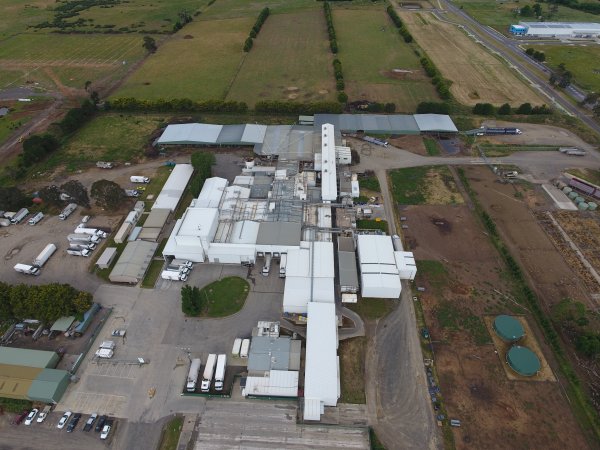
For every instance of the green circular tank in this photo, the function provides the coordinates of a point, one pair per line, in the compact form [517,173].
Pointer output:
[583,206]
[523,361]
[508,328]
[573,195]
[592,206]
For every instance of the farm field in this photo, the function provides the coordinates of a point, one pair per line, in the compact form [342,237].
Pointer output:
[582,62]
[67,61]
[500,15]
[225,9]
[19,115]
[200,67]
[424,185]
[18,15]
[290,60]
[476,75]
[372,54]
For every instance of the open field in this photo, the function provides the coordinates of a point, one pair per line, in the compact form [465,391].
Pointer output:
[476,75]
[67,60]
[20,113]
[290,60]
[582,62]
[18,15]
[424,185]
[352,369]
[222,9]
[372,54]
[500,15]
[200,68]
[464,284]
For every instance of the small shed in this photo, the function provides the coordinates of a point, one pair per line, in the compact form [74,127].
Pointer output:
[106,258]
[88,316]
[63,324]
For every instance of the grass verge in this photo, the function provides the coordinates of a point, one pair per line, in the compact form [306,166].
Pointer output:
[152,274]
[432,147]
[373,308]
[375,442]
[171,432]
[352,370]
[12,405]
[224,297]
[370,183]
[368,224]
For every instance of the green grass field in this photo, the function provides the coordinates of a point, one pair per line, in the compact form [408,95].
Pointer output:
[500,15]
[368,224]
[290,60]
[223,9]
[582,62]
[370,49]
[200,68]
[224,297]
[17,15]
[171,432]
[424,185]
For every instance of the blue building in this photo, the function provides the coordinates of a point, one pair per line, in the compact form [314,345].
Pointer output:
[518,30]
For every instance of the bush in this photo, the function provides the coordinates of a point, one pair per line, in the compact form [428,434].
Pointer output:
[340,85]
[256,28]
[342,97]
[248,44]
[484,109]
[505,110]
[389,107]
[202,163]
[37,147]
[433,108]
[330,28]
[525,108]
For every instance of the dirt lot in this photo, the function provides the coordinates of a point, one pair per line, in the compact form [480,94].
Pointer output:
[534,134]
[413,144]
[477,76]
[495,412]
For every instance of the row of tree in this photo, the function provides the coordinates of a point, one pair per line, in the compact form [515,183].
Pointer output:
[433,108]
[442,85]
[339,80]
[536,54]
[330,28]
[202,163]
[45,303]
[184,17]
[176,104]
[487,109]
[277,107]
[561,76]
[399,25]
[76,192]
[262,17]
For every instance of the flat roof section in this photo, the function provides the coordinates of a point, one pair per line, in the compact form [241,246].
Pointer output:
[269,353]
[279,233]
[190,134]
[435,123]
[347,269]
[133,262]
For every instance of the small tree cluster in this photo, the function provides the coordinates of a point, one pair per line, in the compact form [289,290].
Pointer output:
[399,25]
[108,194]
[277,107]
[562,77]
[487,109]
[484,109]
[536,54]
[184,17]
[176,104]
[433,108]
[45,303]
[442,85]
[12,199]
[149,44]
[77,117]
[249,43]
[191,300]
[330,28]
[339,80]
[202,163]
[37,147]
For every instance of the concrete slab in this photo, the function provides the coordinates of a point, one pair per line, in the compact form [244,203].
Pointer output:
[559,198]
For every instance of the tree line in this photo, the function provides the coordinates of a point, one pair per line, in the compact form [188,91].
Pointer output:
[442,86]
[176,104]
[277,107]
[45,303]
[487,109]
[262,17]
[399,25]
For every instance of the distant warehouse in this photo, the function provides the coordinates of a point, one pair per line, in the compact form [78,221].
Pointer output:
[556,29]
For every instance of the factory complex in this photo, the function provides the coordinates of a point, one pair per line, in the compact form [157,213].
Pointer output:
[556,29]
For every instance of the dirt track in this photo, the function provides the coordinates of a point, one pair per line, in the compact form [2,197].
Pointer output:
[477,75]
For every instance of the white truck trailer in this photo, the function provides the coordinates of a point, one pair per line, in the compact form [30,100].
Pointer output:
[192,378]
[35,219]
[208,372]
[282,265]
[19,215]
[84,252]
[91,231]
[175,276]
[237,345]
[44,255]
[67,211]
[27,269]
[245,348]
[139,179]
[220,372]
[82,246]
[83,238]
[110,345]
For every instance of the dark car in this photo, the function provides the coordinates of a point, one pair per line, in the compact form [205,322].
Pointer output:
[73,423]
[100,424]
[20,418]
[425,333]
[90,422]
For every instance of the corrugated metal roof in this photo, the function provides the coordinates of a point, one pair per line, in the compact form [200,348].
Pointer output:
[268,353]
[292,142]
[63,323]
[254,133]
[106,257]
[278,383]
[435,122]
[347,269]
[231,134]
[173,189]
[49,386]
[211,193]
[29,358]
[133,262]
[190,133]
[376,249]
[15,381]
[157,218]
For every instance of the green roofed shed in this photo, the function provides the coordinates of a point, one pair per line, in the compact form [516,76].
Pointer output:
[523,361]
[49,386]
[63,323]
[508,328]
[28,358]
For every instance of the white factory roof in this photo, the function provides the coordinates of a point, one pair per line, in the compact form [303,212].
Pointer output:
[210,134]
[211,193]
[173,189]
[376,249]
[298,291]
[244,232]
[322,376]
[380,277]
[328,164]
[277,383]
[200,222]
[435,122]
[299,261]
[558,27]
[407,267]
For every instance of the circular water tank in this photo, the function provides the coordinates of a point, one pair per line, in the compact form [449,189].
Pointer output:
[573,195]
[583,206]
[592,206]
[567,189]
[579,200]
[249,163]
[523,361]
[508,328]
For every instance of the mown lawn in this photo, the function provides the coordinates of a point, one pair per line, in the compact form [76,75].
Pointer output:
[368,224]
[224,297]
[582,62]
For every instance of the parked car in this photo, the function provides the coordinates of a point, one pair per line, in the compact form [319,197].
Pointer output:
[425,333]
[105,431]
[63,420]
[43,414]
[100,424]
[20,418]
[73,423]
[31,416]
[141,188]
[90,422]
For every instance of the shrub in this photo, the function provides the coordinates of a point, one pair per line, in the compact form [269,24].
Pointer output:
[342,97]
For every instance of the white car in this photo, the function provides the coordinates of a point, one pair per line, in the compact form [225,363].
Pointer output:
[31,416]
[63,420]
[42,416]
[105,431]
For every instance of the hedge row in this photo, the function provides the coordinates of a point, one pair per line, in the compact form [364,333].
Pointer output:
[398,22]
[256,28]
[276,107]
[330,29]
[442,85]
[177,104]
[487,109]
[534,306]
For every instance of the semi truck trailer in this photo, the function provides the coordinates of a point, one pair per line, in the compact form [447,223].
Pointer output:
[73,252]
[192,378]
[35,219]
[220,372]
[175,276]
[208,372]
[19,215]
[83,238]
[67,211]
[139,179]
[44,255]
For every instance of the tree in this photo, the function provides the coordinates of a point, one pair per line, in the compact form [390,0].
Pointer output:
[537,9]
[191,301]
[540,56]
[13,199]
[149,44]
[5,308]
[342,97]
[526,11]
[87,85]
[433,108]
[95,97]
[597,110]
[525,108]
[565,79]
[484,109]
[530,51]
[389,107]
[591,99]
[50,195]
[18,298]
[36,147]
[77,192]
[82,302]
[588,343]
[107,194]
[505,110]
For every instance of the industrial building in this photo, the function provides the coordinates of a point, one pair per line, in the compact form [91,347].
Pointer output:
[172,191]
[296,201]
[31,375]
[107,257]
[133,262]
[556,29]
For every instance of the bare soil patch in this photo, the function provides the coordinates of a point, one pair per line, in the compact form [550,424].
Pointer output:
[413,144]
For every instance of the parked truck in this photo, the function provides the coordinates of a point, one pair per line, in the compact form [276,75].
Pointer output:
[375,141]
[282,265]
[245,348]
[19,216]
[501,130]
[572,151]
[82,246]
[91,231]
[220,372]
[83,239]
[35,219]
[208,372]
[44,255]
[84,252]
[237,345]
[27,269]
[139,179]
[192,378]
[175,276]
[67,211]
[267,267]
